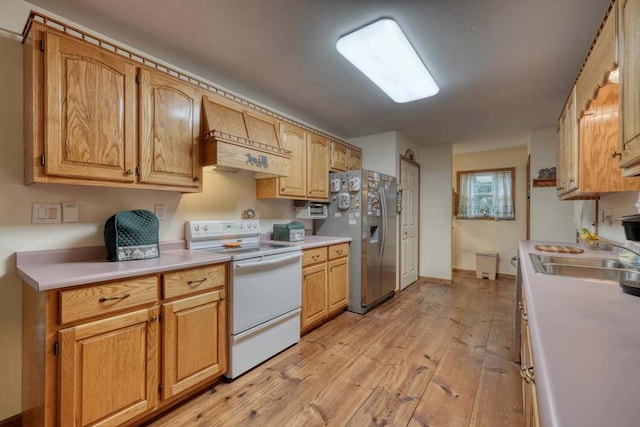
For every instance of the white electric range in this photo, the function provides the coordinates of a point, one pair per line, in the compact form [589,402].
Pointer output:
[265,289]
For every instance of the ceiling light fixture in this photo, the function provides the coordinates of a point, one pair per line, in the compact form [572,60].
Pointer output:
[383,53]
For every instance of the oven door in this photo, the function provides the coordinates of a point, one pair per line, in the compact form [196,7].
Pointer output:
[264,288]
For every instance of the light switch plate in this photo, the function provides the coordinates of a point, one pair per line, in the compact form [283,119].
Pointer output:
[159,212]
[46,213]
[69,212]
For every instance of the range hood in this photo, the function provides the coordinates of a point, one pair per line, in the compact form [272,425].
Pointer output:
[241,140]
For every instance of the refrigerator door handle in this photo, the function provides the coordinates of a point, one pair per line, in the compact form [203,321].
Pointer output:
[383,233]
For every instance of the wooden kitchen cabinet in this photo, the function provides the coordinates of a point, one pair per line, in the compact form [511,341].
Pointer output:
[317,167]
[309,176]
[94,117]
[108,369]
[355,160]
[567,154]
[314,287]
[293,186]
[117,352]
[529,396]
[89,105]
[339,157]
[590,126]
[325,284]
[169,131]
[194,341]
[629,60]
[338,278]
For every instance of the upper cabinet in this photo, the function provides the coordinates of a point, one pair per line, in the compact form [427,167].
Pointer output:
[81,108]
[344,158]
[317,167]
[339,157]
[169,131]
[590,125]
[629,58]
[86,139]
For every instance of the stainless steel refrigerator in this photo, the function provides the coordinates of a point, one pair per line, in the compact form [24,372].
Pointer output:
[363,205]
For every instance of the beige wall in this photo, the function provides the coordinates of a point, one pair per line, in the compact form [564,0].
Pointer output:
[225,195]
[435,211]
[470,236]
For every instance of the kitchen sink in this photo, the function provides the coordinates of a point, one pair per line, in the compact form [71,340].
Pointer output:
[575,261]
[590,268]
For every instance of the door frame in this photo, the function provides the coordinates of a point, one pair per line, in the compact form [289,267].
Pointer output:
[416,164]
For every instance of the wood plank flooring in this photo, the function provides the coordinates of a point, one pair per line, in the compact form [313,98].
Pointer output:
[434,355]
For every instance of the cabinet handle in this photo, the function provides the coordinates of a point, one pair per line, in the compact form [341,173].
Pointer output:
[520,305]
[129,171]
[282,190]
[196,178]
[153,318]
[196,282]
[315,257]
[617,154]
[339,251]
[103,299]
[524,316]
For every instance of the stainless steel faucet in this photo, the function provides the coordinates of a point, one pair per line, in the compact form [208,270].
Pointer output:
[608,244]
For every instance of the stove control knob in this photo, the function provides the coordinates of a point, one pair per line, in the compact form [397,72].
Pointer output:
[204,227]
[197,228]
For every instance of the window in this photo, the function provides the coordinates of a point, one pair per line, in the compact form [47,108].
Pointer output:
[486,194]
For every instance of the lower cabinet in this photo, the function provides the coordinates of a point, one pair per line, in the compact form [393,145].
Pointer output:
[529,397]
[108,369]
[113,353]
[325,284]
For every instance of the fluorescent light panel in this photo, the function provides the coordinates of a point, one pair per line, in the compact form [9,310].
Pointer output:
[382,52]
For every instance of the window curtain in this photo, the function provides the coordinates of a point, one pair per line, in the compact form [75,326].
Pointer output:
[502,202]
[465,196]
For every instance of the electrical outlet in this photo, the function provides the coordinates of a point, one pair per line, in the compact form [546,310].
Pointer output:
[159,212]
[46,213]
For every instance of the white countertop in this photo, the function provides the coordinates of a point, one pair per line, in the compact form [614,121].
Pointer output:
[53,269]
[585,338]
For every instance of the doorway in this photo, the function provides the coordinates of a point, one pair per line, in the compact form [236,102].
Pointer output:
[409,220]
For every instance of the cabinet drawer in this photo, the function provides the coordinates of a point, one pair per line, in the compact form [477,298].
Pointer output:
[313,256]
[194,280]
[337,251]
[97,300]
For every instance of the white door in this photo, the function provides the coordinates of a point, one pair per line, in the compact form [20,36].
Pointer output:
[410,184]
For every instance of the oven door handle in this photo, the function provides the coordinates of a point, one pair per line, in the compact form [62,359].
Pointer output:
[269,261]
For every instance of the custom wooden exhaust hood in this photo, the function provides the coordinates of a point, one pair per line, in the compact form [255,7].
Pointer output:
[238,139]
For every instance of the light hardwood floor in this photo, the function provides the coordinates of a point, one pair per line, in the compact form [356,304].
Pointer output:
[434,355]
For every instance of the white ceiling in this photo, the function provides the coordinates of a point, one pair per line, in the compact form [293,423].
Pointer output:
[503,66]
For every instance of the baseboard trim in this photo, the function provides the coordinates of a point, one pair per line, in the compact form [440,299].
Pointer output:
[435,280]
[473,274]
[15,421]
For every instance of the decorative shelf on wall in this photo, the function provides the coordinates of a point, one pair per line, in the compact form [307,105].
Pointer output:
[544,182]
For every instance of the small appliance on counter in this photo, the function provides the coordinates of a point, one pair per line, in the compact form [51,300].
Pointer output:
[311,210]
[292,232]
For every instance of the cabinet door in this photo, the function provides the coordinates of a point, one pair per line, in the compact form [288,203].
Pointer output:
[90,111]
[339,160]
[314,294]
[629,52]
[294,140]
[355,160]
[338,287]
[169,131]
[317,167]
[194,341]
[109,369]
